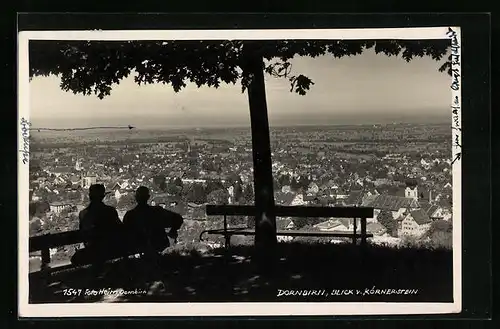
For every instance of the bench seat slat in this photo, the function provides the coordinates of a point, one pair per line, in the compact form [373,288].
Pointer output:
[285,233]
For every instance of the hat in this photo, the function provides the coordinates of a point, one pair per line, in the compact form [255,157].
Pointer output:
[142,194]
[97,191]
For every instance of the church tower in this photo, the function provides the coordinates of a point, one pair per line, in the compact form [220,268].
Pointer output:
[411,190]
[78,165]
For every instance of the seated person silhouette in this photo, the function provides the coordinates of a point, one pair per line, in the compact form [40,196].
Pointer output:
[101,228]
[146,224]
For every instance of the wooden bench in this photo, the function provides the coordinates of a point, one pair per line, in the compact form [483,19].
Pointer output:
[293,211]
[45,242]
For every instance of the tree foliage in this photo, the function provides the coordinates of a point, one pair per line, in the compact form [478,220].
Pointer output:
[178,182]
[441,226]
[35,226]
[284,180]
[440,234]
[93,67]
[386,220]
[38,208]
[218,197]
[174,187]
[111,201]
[60,223]
[247,195]
[304,183]
[214,185]
[306,223]
[126,202]
[294,184]
[238,191]
[196,193]
[160,181]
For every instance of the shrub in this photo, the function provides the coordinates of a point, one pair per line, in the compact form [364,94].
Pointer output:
[438,240]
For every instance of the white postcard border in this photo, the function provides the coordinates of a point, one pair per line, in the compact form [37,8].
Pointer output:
[232,309]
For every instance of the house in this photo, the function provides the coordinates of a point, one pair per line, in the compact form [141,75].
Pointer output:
[309,199]
[340,225]
[198,213]
[181,208]
[298,200]
[411,192]
[390,202]
[426,195]
[161,200]
[415,224]
[59,180]
[284,224]
[375,229]
[194,205]
[58,207]
[396,205]
[326,200]
[341,194]
[62,170]
[434,212]
[75,180]
[89,180]
[332,185]
[370,191]
[35,196]
[446,214]
[114,186]
[313,188]
[117,194]
[381,181]
[355,198]
[333,225]
[284,199]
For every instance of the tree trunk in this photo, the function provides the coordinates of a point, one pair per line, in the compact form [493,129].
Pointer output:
[265,221]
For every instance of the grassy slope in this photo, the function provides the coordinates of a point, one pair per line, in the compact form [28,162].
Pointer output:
[215,276]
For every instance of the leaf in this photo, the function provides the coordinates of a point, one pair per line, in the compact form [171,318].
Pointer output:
[300,84]
[95,67]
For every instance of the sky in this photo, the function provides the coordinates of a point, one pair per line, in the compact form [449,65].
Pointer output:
[367,88]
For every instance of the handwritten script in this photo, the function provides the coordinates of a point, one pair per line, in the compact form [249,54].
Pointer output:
[25,133]
[455,87]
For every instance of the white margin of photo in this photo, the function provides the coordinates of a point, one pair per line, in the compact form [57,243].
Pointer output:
[229,309]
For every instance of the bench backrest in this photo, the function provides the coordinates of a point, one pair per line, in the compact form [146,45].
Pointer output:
[53,240]
[292,211]
[73,237]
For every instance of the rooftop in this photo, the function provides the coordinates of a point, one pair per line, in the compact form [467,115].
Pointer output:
[389,202]
[420,216]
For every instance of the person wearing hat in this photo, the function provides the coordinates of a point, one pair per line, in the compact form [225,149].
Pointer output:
[148,223]
[100,224]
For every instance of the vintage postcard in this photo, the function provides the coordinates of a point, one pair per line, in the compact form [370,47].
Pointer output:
[239,172]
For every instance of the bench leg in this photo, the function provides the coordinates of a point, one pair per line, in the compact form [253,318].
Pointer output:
[45,258]
[363,232]
[355,229]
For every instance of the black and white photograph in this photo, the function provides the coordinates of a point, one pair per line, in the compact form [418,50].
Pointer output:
[239,172]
